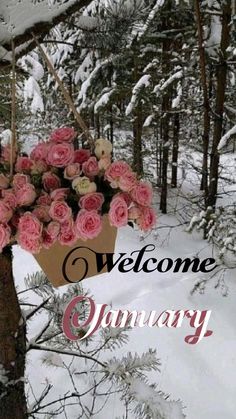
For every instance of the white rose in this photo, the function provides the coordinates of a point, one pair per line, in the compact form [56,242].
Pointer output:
[103,148]
[82,185]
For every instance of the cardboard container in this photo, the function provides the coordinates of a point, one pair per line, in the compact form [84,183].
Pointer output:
[64,265]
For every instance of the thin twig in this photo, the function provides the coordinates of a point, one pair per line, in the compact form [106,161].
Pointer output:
[66,94]
[13,109]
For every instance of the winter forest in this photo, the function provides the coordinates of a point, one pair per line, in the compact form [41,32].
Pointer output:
[145,83]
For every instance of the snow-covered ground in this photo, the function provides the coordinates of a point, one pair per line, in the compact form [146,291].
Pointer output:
[203,375]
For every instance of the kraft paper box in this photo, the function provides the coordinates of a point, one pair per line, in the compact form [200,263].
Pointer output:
[64,265]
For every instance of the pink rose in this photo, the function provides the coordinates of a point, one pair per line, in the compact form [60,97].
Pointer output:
[5,235]
[115,171]
[127,181]
[61,135]
[92,201]
[118,213]
[104,162]
[42,213]
[147,219]
[53,229]
[142,193]
[50,234]
[4,181]
[134,213]
[20,180]
[88,224]
[26,195]
[68,236]
[30,226]
[51,181]
[60,194]
[60,211]
[39,167]
[30,244]
[39,152]
[47,240]
[60,155]
[125,196]
[72,171]
[90,167]
[23,165]
[5,212]
[44,199]
[9,198]
[82,155]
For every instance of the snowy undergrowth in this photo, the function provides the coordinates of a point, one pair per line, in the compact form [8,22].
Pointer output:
[208,366]
[202,375]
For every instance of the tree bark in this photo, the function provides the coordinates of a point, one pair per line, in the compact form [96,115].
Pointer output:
[137,142]
[206,106]
[111,125]
[165,153]
[175,151]
[12,345]
[221,76]
[166,104]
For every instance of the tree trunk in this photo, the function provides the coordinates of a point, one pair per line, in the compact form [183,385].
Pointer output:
[111,125]
[160,160]
[166,104]
[165,155]
[221,76]
[12,345]
[175,151]
[206,106]
[97,125]
[137,143]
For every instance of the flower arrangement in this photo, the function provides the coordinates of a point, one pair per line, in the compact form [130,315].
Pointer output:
[60,194]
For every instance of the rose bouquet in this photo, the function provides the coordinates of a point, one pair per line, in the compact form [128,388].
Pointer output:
[60,194]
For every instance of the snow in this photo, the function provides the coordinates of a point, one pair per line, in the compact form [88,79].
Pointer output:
[148,120]
[82,72]
[82,97]
[103,101]
[226,137]
[143,83]
[201,376]
[18,16]
[32,92]
[30,63]
[163,85]
[87,22]
[144,393]
[176,101]
[151,16]
[3,375]
[213,41]
[5,136]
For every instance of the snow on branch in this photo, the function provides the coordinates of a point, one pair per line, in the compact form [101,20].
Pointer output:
[226,137]
[20,18]
[150,18]
[32,91]
[163,85]
[148,401]
[82,98]
[143,83]
[104,100]
[153,404]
